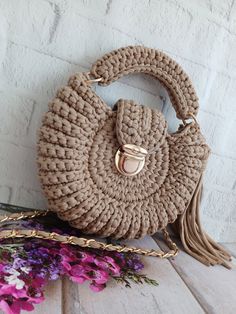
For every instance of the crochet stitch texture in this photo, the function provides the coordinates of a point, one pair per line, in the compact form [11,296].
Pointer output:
[80,136]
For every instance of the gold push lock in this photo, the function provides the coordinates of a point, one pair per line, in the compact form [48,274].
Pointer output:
[130,159]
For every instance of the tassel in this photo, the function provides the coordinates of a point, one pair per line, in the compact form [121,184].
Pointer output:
[195,241]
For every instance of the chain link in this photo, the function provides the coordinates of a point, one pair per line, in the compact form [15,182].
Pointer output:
[83,242]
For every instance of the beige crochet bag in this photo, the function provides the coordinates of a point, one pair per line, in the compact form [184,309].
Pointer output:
[117,172]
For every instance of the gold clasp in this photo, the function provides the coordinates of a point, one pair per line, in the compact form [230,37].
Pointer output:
[130,159]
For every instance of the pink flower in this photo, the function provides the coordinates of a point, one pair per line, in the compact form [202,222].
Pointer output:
[6,289]
[15,306]
[35,295]
[107,263]
[96,287]
[10,299]
[13,300]
[77,273]
[37,282]
[32,294]
[2,266]
[70,256]
[81,273]
[76,254]
[67,257]
[97,275]
[85,257]
[67,254]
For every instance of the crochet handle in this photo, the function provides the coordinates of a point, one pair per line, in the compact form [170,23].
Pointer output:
[136,59]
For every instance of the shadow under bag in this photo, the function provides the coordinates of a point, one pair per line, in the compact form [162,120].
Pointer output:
[117,172]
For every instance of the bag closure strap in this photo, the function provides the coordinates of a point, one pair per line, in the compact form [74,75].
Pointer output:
[83,242]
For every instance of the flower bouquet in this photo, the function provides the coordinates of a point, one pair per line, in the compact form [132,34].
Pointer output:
[28,265]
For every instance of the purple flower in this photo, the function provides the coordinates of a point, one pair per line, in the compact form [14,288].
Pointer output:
[135,263]
[31,224]
[26,268]
[19,262]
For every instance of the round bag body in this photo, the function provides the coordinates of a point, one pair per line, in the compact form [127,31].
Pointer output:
[118,172]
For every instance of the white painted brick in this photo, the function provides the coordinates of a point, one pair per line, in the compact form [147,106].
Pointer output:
[220,172]
[3,41]
[91,8]
[187,35]
[51,30]
[18,165]
[35,72]
[30,22]
[5,194]
[229,104]
[219,132]
[210,126]
[91,39]
[226,204]
[16,112]
[48,30]
[212,8]
[232,18]
[225,58]
[227,232]
[216,93]
[230,137]
[220,231]
[216,217]
[28,197]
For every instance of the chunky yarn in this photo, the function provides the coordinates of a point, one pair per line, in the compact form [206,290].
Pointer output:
[80,136]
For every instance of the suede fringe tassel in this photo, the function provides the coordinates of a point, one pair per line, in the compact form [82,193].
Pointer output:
[195,241]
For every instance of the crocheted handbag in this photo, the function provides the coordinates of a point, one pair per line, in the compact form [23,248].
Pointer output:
[117,172]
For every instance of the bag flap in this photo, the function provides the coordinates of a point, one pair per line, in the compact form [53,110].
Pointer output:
[139,125]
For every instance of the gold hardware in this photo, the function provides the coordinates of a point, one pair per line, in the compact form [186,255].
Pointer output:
[130,159]
[90,81]
[191,116]
[92,243]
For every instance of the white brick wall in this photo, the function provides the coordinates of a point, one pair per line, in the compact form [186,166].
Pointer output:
[43,42]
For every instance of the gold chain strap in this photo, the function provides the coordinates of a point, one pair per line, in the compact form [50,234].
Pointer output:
[83,242]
